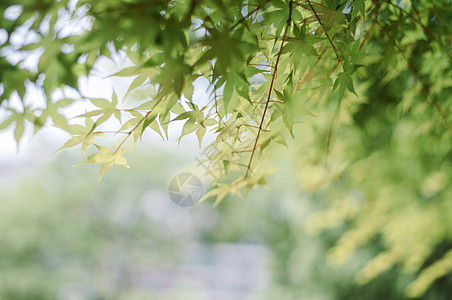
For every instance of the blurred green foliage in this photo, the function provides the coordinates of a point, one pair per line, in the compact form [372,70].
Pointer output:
[65,235]
[334,243]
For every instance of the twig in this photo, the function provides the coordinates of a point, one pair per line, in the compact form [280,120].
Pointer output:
[336,112]
[327,35]
[270,90]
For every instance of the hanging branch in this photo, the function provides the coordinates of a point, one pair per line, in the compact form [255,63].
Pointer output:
[275,70]
[419,78]
[336,112]
[327,35]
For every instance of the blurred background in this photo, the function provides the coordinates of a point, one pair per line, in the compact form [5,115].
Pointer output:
[63,235]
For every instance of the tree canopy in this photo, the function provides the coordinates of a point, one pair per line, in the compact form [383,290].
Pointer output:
[362,87]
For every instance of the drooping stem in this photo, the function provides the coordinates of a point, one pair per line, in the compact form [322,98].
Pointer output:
[275,70]
[339,60]
[327,35]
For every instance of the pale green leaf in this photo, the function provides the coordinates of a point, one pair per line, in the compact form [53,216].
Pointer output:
[200,134]
[71,142]
[104,167]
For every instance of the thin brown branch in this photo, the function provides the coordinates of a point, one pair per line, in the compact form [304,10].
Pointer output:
[336,113]
[275,70]
[327,35]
